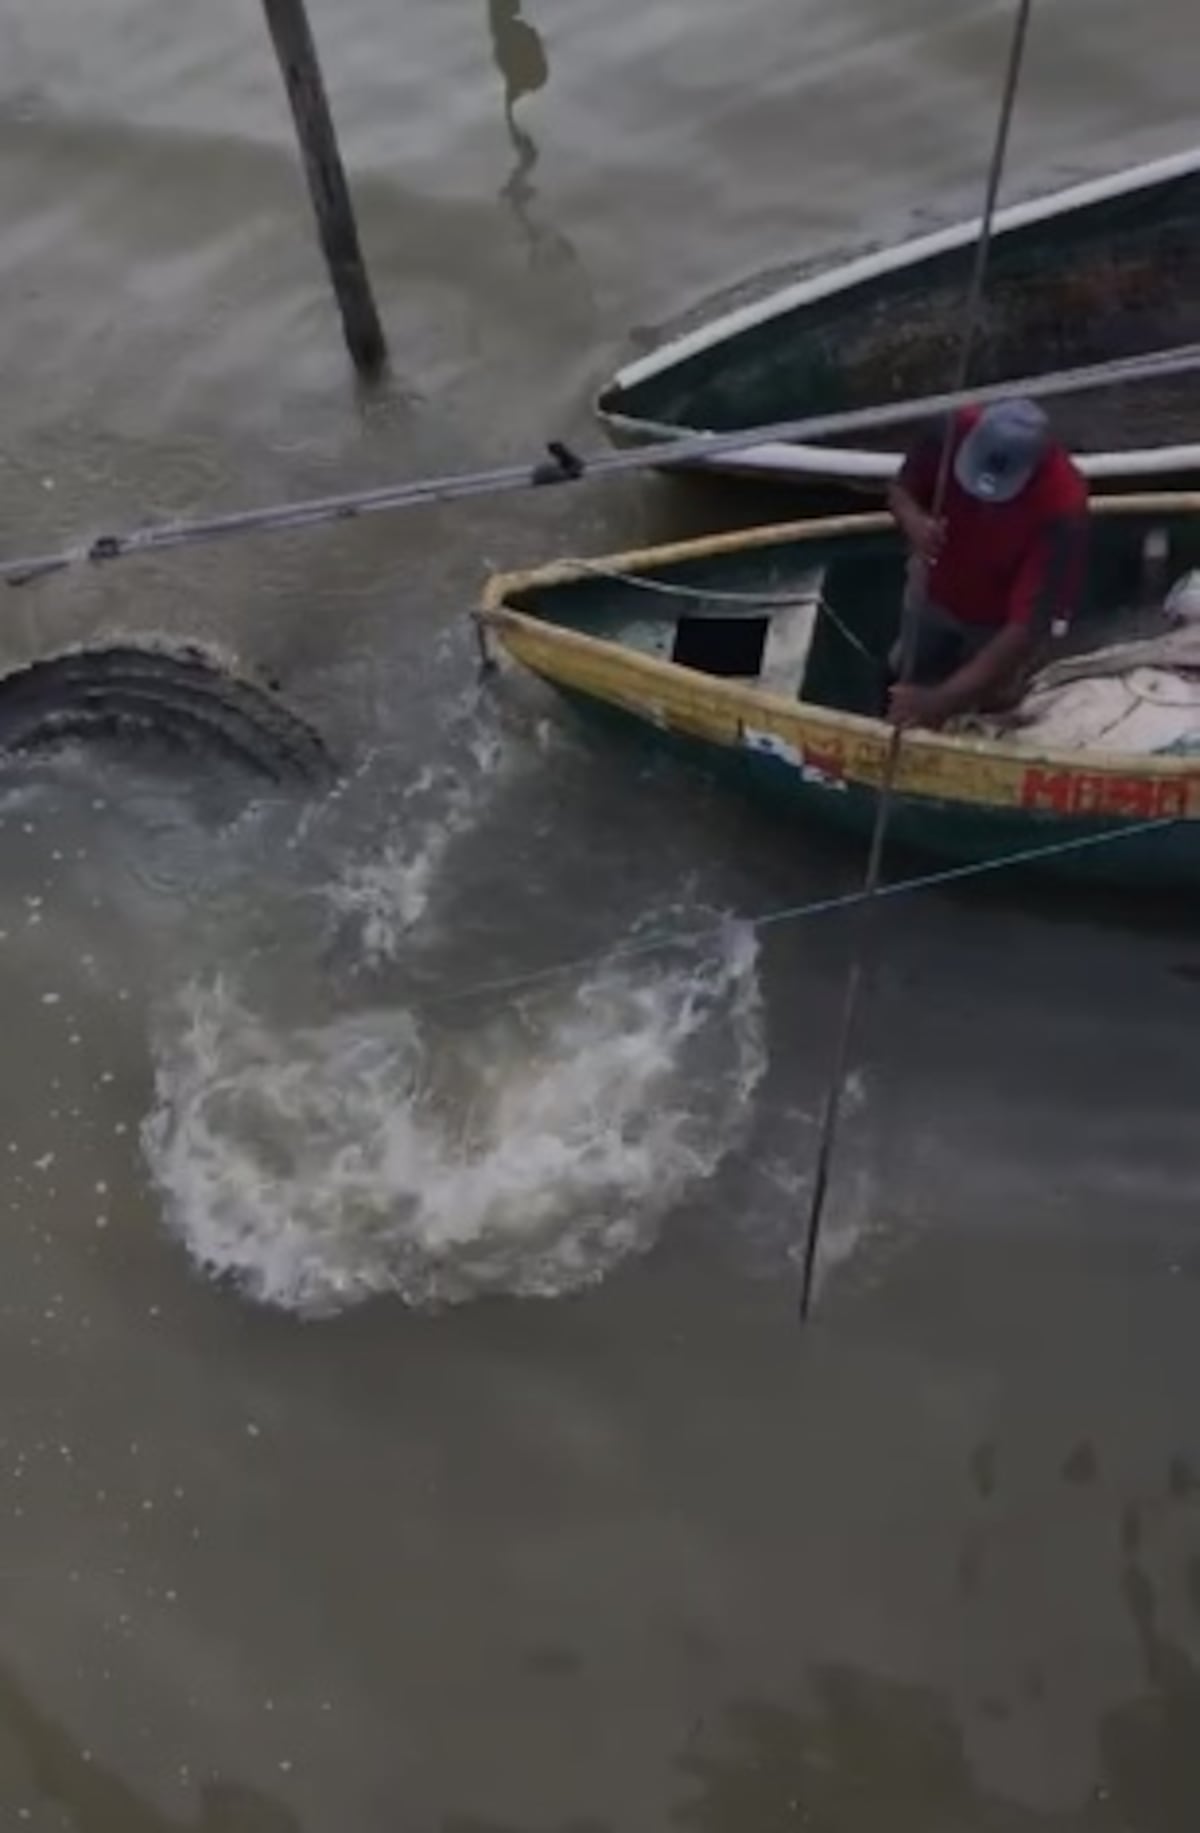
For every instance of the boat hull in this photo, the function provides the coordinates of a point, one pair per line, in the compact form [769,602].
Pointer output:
[956,799]
[1105,270]
[1078,850]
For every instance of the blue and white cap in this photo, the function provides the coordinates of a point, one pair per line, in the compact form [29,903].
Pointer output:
[1002,451]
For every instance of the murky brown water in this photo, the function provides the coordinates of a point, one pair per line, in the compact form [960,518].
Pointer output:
[307,1520]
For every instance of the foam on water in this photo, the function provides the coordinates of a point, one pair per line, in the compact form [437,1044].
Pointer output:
[381,894]
[385,895]
[316,1167]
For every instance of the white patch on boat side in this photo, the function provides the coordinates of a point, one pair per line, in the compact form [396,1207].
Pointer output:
[316,1167]
[769,744]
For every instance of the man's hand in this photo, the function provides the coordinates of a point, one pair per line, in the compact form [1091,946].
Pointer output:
[909,706]
[926,535]
[998,670]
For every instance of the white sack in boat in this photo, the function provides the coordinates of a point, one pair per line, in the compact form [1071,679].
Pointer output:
[1141,697]
[1140,710]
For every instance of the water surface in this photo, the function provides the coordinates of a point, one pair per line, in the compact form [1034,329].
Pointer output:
[406,1422]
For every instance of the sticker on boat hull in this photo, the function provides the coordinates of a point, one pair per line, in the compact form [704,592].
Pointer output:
[822,771]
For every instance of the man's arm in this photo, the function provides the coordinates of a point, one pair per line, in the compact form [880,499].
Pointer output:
[919,528]
[970,686]
[910,495]
[1047,590]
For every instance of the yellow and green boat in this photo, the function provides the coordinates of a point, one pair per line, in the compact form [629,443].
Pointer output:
[759,653]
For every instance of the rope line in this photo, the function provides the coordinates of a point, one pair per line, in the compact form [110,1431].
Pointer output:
[566,467]
[856,973]
[749,601]
[818,907]
[852,637]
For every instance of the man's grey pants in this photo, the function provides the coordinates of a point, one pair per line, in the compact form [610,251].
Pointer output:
[938,644]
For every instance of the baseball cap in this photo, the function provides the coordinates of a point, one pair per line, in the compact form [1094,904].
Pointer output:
[1002,451]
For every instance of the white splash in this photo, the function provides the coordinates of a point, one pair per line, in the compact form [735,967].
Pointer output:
[317,1167]
[386,895]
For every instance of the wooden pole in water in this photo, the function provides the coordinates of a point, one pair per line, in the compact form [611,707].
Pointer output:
[296,50]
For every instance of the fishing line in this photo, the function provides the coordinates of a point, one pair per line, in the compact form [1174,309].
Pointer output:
[799,913]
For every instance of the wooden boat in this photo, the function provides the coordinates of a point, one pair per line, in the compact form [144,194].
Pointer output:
[756,652]
[1108,269]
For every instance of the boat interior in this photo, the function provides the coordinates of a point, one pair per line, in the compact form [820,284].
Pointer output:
[1111,280]
[813,619]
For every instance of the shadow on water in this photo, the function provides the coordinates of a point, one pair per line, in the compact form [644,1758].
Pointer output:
[519,52]
[520,55]
[469,1824]
[1149,1749]
[38,1756]
[874,1753]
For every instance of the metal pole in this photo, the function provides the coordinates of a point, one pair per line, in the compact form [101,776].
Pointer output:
[459,487]
[296,50]
[1008,101]
[835,1093]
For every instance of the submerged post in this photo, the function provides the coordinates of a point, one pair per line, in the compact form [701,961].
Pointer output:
[297,54]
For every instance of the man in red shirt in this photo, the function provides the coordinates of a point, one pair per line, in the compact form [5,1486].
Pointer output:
[998,571]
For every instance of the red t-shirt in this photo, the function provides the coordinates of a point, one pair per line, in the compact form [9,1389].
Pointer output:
[1021,562]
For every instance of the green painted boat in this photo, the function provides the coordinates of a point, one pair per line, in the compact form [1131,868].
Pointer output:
[757,653]
[1105,270]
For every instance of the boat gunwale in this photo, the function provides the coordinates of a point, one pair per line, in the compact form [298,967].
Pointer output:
[495,612]
[850,462]
[851,465]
